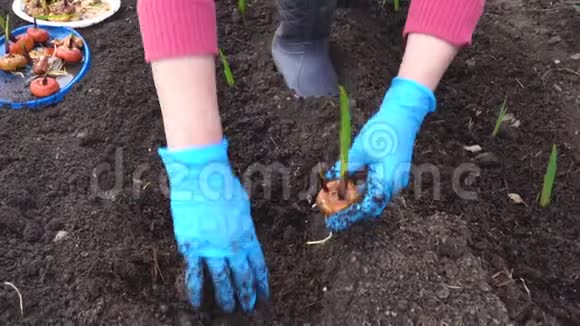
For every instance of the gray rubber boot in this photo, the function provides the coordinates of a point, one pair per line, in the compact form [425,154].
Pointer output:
[300,47]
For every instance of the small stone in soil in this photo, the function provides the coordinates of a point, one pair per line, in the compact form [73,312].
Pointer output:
[470,62]
[403,304]
[60,235]
[487,160]
[236,17]
[11,218]
[66,277]
[555,39]
[443,292]
[100,44]
[184,319]
[575,56]
[472,148]
[32,232]
[55,224]
[452,248]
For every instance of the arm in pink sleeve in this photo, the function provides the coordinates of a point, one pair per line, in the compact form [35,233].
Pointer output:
[177,28]
[451,20]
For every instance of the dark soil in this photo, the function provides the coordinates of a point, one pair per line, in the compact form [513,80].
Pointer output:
[89,167]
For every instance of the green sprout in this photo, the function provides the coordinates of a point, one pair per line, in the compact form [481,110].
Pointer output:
[345,142]
[345,130]
[5,23]
[396,4]
[549,178]
[242,7]
[345,137]
[227,70]
[500,117]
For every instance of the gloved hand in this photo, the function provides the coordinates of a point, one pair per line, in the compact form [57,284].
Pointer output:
[213,226]
[385,146]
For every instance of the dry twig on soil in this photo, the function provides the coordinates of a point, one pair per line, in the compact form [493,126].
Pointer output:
[156,270]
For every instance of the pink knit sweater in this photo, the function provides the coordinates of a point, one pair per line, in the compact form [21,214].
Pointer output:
[173,28]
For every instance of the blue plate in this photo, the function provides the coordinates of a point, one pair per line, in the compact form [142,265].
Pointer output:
[77,71]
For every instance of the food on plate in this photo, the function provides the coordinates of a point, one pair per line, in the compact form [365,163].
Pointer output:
[76,41]
[15,45]
[48,65]
[42,51]
[43,87]
[66,10]
[21,43]
[13,62]
[40,66]
[68,52]
[39,35]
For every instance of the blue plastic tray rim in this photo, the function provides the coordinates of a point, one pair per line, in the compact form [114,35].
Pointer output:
[53,99]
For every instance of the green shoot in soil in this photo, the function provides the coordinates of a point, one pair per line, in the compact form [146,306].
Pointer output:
[227,70]
[549,178]
[500,117]
[3,23]
[396,4]
[242,8]
[345,137]
[345,142]
[345,130]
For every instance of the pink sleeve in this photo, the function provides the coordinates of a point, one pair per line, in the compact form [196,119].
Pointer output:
[174,28]
[450,20]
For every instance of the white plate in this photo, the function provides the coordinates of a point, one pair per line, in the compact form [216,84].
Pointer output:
[18,8]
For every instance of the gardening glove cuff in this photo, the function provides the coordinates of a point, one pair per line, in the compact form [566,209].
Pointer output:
[415,100]
[195,155]
[201,179]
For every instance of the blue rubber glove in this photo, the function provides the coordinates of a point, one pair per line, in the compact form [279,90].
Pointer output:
[213,226]
[385,146]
